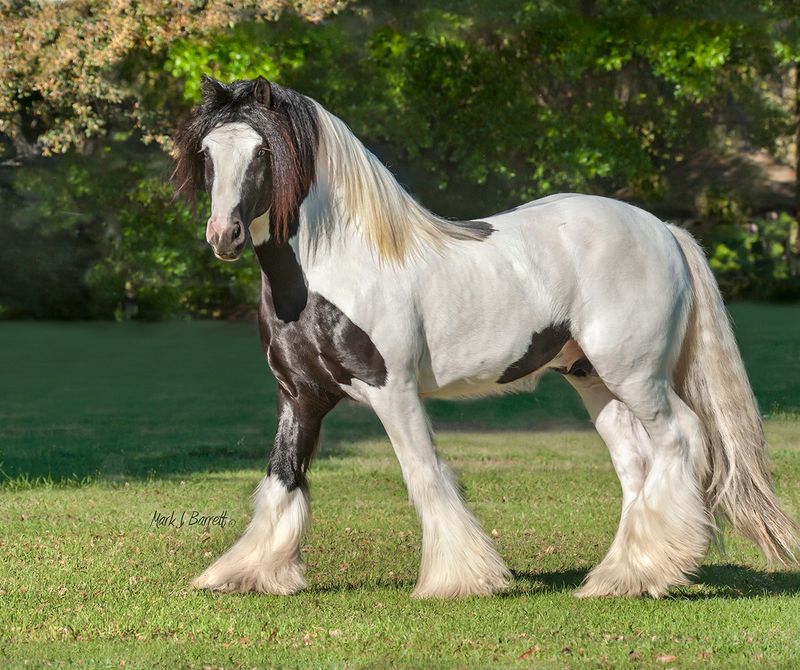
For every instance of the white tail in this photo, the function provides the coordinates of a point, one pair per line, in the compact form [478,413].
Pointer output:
[712,380]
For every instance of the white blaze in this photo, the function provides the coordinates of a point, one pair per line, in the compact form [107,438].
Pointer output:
[231,147]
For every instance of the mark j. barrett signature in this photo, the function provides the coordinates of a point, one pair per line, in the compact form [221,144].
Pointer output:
[175,519]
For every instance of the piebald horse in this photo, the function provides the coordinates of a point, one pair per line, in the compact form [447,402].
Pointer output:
[367,295]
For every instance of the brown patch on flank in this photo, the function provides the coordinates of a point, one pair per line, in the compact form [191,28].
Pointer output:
[544,347]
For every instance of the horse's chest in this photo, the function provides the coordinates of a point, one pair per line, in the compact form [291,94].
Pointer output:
[322,349]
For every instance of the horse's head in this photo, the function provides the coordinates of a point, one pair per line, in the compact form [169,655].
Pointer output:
[236,172]
[241,146]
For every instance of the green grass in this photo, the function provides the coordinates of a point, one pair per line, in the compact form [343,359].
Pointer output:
[103,424]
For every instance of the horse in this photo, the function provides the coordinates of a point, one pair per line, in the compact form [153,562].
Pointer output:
[367,295]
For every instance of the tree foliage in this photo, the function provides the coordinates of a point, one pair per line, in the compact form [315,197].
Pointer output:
[76,69]
[503,102]
[476,107]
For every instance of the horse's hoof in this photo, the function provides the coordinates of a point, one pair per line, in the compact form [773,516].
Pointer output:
[284,579]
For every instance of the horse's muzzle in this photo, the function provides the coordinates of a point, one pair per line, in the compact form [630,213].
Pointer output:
[227,240]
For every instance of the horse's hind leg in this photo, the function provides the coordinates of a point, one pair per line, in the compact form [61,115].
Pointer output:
[627,441]
[666,528]
[458,559]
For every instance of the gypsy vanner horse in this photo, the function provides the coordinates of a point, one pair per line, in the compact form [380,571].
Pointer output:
[367,295]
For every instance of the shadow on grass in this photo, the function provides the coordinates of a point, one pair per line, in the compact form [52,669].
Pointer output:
[713,581]
[736,581]
[177,440]
[114,402]
[366,585]
[547,582]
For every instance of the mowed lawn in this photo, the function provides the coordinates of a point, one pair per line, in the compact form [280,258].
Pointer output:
[102,425]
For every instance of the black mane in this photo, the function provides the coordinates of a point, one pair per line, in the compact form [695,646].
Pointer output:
[288,123]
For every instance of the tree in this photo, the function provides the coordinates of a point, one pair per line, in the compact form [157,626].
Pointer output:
[500,102]
[73,70]
[476,106]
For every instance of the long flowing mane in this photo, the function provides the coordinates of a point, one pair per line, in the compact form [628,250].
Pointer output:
[307,143]
[368,196]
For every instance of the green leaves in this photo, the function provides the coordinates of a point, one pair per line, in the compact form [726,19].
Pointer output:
[475,106]
[226,57]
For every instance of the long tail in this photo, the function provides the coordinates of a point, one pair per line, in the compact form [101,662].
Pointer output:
[712,380]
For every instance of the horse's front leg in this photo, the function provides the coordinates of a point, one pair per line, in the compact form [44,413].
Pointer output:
[458,559]
[266,558]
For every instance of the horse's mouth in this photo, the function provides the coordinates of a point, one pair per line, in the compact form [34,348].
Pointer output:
[228,258]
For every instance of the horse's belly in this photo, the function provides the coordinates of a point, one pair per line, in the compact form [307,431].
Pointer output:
[477,325]
[491,361]
[552,351]
[472,387]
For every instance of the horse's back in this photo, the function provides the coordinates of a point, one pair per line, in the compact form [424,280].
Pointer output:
[602,217]
[586,238]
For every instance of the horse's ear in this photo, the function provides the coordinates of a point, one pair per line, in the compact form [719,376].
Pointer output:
[213,89]
[262,92]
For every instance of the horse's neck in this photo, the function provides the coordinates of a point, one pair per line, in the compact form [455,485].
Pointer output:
[285,266]
[284,288]
[324,247]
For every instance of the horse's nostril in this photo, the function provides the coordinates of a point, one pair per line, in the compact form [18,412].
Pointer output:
[237,231]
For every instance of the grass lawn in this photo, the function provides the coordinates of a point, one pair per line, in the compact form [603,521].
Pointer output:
[101,425]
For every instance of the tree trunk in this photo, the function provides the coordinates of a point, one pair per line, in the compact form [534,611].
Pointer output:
[794,249]
[797,140]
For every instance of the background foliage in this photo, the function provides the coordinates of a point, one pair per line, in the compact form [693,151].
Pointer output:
[475,106]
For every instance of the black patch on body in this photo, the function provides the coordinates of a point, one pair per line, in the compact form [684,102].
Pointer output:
[284,283]
[481,228]
[312,348]
[544,347]
[311,345]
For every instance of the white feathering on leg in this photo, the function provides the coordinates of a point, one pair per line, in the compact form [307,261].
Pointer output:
[266,558]
[458,559]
